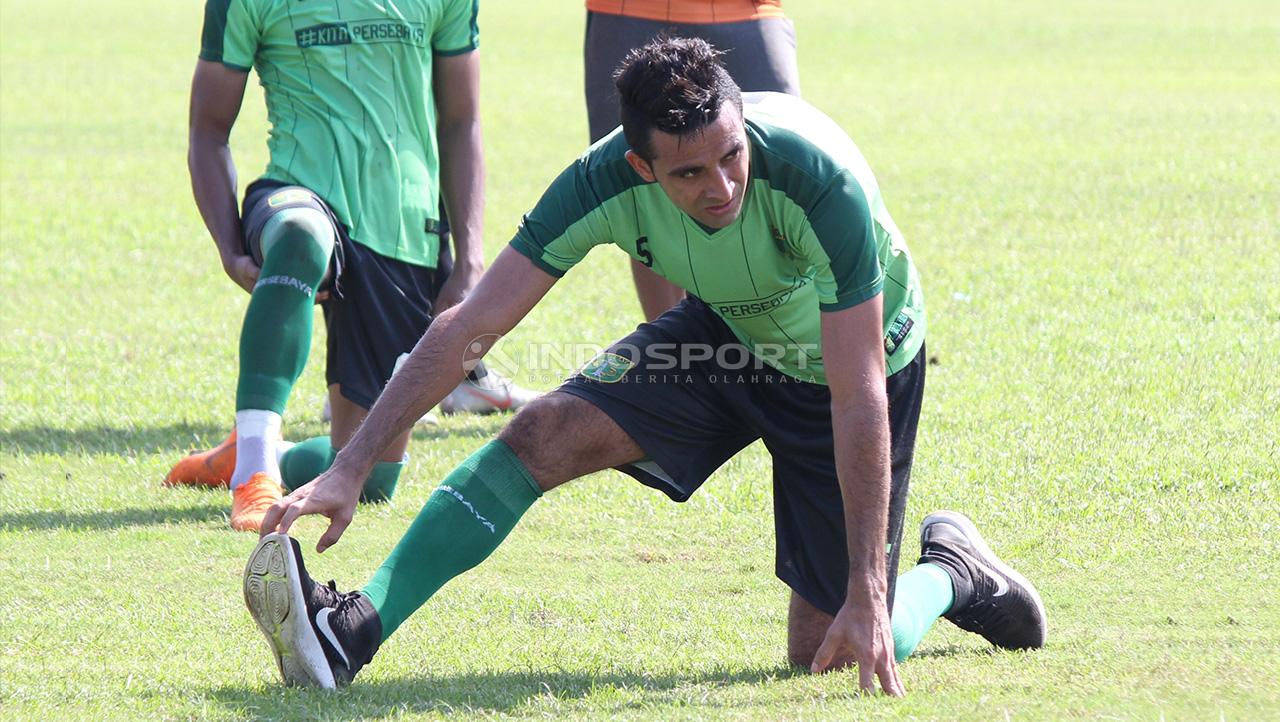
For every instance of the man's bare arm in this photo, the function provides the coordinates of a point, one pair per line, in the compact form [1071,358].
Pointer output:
[456,87]
[853,350]
[216,94]
[460,335]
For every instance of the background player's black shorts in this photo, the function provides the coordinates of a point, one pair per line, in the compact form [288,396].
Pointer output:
[691,419]
[762,56]
[378,307]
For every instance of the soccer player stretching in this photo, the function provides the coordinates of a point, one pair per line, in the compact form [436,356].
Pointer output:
[804,327]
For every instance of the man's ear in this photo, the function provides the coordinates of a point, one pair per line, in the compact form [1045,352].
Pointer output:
[641,166]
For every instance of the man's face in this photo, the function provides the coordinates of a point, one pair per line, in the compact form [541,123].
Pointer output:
[704,174]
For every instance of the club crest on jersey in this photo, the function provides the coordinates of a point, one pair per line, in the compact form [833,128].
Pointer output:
[897,332]
[607,368]
[288,195]
[780,242]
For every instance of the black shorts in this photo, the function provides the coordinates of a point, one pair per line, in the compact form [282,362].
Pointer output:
[760,55]
[691,419]
[378,307]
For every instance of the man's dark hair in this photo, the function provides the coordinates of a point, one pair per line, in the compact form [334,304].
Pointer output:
[676,85]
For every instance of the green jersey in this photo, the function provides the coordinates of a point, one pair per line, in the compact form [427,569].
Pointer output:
[813,235]
[348,92]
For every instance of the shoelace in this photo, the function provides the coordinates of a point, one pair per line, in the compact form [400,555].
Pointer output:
[325,595]
[330,597]
[346,619]
[344,600]
[981,616]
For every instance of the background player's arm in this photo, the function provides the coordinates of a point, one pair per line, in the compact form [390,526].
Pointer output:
[853,351]
[456,88]
[216,94]
[464,333]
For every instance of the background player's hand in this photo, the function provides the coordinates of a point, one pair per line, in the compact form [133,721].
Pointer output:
[332,494]
[242,270]
[461,281]
[861,635]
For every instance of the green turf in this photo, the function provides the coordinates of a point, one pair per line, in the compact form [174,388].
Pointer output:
[1090,189]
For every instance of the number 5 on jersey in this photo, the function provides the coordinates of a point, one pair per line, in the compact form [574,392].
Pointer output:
[642,250]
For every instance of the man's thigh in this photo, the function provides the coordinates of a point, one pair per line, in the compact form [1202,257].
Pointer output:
[760,54]
[560,437]
[608,40]
[381,308]
[661,384]
[812,554]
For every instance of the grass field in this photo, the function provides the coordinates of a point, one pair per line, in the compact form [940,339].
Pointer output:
[1091,190]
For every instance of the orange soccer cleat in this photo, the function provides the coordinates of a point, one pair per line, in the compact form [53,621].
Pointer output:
[250,501]
[206,468]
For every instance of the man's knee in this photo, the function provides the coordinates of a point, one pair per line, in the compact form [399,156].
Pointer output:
[800,656]
[802,645]
[539,432]
[806,628]
[559,437]
[304,234]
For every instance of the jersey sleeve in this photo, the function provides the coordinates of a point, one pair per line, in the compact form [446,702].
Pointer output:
[565,225]
[457,32]
[231,33]
[841,244]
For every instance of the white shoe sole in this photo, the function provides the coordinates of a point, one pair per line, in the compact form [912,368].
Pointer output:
[970,531]
[273,593]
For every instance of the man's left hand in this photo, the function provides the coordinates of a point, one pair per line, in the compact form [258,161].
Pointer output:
[861,635]
[462,279]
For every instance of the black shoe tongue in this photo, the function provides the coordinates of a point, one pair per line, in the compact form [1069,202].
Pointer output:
[947,535]
[940,548]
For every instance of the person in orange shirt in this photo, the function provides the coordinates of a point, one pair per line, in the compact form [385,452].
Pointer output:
[759,43]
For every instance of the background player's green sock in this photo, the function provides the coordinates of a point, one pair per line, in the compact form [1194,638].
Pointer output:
[923,594]
[463,521]
[305,461]
[381,484]
[276,335]
[308,459]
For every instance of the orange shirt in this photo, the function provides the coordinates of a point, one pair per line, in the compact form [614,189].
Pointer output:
[690,11]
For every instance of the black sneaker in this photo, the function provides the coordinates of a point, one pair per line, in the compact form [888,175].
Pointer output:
[991,598]
[320,637]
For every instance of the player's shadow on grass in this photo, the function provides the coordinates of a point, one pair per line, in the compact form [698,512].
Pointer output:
[180,439]
[112,519]
[952,650]
[123,441]
[493,692]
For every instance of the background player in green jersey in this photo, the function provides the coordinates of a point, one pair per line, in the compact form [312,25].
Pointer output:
[804,328]
[374,119]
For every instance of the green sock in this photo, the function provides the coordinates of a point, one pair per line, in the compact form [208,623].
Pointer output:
[308,459]
[305,461]
[381,484]
[463,521]
[276,335]
[923,594]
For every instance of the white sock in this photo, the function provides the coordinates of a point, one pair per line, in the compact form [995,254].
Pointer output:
[281,448]
[257,435]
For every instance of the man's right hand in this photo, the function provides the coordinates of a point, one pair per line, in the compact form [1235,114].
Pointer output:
[333,494]
[242,270]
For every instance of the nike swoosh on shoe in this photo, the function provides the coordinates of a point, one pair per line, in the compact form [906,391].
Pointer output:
[322,623]
[1002,584]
